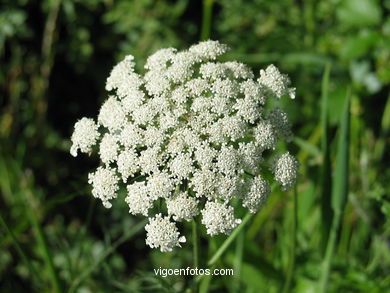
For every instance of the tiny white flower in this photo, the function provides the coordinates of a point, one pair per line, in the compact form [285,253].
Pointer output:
[257,195]
[85,135]
[219,218]
[112,114]
[162,233]
[138,200]
[160,185]
[265,135]
[104,183]
[127,163]
[209,50]
[108,150]
[182,206]
[285,169]
[276,82]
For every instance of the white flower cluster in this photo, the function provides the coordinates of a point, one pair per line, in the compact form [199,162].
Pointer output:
[192,132]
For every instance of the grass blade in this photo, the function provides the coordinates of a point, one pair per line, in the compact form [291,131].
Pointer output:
[325,180]
[340,180]
[339,191]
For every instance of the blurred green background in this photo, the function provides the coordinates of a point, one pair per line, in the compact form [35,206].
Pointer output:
[55,56]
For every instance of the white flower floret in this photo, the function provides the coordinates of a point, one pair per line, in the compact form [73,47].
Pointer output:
[204,155]
[182,165]
[253,91]
[182,67]
[209,50]
[112,114]
[85,135]
[104,183]
[108,150]
[120,73]
[225,88]
[156,82]
[257,194]
[285,169]
[149,160]
[197,86]
[251,155]
[138,200]
[127,163]
[213,71]
[182,207]
[233,127]
[131,136]
[203,183]
[219,218]
[281,124]
[228,160]
[160,185]
[276,82]
[160,59]
[162,233]
[265,135]
[228,187]
[239,70]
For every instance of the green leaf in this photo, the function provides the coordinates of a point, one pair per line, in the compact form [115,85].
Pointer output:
[341,175]
[360,44]
[339,192]
[325,181]
[359,13]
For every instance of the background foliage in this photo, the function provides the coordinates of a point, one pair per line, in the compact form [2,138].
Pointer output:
[55,56]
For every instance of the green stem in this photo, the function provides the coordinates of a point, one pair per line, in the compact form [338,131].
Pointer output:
[329,252]
[195,246]
[291,263]
[42,243]
[20,251]
[230,239]
[206,19]
[195,242]
[238,260]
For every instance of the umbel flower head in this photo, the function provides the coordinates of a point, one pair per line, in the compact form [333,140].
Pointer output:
[192,132]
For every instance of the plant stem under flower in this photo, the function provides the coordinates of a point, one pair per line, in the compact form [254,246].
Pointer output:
[291,262]
[195,241]
[195,244]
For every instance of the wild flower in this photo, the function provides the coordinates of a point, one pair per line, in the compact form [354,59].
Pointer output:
[199,133]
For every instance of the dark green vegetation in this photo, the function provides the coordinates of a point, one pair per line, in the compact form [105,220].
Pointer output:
[332,235]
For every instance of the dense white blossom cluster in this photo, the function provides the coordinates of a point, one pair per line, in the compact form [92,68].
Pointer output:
[188,138]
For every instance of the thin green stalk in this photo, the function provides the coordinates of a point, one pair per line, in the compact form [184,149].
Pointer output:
[206,19]
[230,239]
[329,253]
[238,260]
[195,242]
[42,243]
[291,262]
[20,251]
[325,180]
[195,246]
